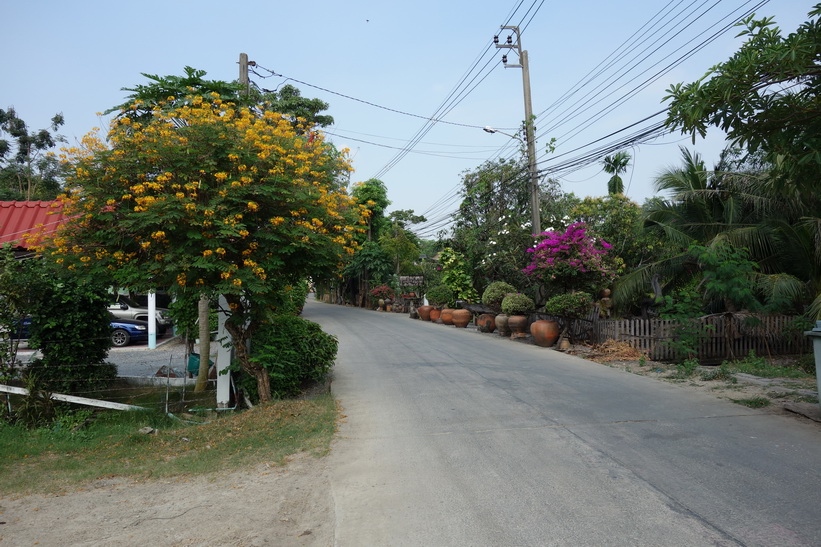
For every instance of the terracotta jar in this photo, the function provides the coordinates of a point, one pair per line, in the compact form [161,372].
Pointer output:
[447,316]
[486,322]
[545,333]
[501,324]
[517,325]
[461,318]
[435,314]
[424,312]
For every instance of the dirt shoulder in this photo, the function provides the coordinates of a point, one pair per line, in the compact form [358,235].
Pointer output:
[285,506]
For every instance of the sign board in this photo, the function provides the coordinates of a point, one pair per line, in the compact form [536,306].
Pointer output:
[411,280]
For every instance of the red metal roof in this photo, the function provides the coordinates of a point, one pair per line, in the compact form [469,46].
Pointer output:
[18,218]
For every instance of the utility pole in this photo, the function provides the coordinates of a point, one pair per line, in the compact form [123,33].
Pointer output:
[244,80]
[536,226]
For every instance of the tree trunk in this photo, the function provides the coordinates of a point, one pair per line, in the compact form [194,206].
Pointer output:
[205,344]
[240,337]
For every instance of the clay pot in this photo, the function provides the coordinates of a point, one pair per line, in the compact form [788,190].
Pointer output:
[461,318]
[486,322]
[545,333]
[564,344]
[517,325]
[447,316]
[435,314]
[424,312]
[501,324]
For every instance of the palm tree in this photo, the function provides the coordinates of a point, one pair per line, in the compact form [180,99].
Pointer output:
[616,165]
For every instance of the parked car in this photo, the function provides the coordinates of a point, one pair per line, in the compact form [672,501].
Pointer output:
[123,331]
[125,308]
[126,331]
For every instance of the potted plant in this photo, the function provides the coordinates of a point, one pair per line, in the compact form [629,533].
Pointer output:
[382,293]
[438,296]
[518,307]
[492,298]
[568,307]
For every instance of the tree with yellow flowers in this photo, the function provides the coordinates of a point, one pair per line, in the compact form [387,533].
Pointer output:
[211,197]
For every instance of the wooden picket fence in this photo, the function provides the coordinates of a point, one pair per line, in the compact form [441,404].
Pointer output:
[720,337]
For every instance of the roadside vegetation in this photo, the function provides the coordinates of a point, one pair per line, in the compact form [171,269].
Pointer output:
[82,446]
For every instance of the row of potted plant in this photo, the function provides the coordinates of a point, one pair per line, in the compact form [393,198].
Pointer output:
[510,312]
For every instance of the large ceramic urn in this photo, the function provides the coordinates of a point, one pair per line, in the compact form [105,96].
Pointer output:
[544,332]
[461,318]
[486,322]
[517,325]
[501,325]
[424,312]
[435,314]
[447,316]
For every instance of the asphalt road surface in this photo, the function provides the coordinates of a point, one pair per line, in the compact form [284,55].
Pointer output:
[451,437]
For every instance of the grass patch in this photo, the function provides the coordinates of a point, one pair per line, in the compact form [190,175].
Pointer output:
[759,366]
[110,445]
[753,402]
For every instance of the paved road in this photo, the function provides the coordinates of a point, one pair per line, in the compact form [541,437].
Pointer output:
[456,438]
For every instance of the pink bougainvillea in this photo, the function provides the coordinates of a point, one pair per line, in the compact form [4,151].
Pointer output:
[572,259]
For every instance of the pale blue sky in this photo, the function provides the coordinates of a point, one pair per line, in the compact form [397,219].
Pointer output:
[74,58]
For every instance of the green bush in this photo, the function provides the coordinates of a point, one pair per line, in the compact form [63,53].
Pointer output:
[71,326]
[495,293]
[572,305]
[517,304]
[294,351]
[440,295]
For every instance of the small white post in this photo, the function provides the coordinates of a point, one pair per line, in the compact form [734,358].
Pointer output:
[223,356]
[152,320]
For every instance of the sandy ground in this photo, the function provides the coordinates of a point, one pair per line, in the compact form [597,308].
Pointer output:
[263,506]
[284,506]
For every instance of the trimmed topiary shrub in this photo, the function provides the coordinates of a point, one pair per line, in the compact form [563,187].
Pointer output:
[440,295]
[495,293]
[517,304]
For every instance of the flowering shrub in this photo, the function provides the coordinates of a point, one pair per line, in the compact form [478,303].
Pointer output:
[382,291]
[572,259]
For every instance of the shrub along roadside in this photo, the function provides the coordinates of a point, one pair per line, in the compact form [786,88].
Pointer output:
[294,351]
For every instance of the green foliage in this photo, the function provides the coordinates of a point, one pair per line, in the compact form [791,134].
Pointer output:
[295,352]
[728,276]
[616,165]
[495,293]
[684,306]
[440,295]
[765,97]
[370,262]
[753,402]
[71,328]
[686,368]
[572,305]
[373,195]
[457,275]
[759,366]
[517,304]
[27,171]
[17,294]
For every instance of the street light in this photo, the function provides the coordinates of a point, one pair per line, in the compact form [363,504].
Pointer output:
[535,214]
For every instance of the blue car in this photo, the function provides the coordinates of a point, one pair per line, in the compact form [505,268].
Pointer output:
[123,331]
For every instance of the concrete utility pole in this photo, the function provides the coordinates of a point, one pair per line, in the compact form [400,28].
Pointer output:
[244,80]
[529,129]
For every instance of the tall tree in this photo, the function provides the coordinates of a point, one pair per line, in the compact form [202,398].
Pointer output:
[615,165]
[27,170]
[766,97]
[211,196]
